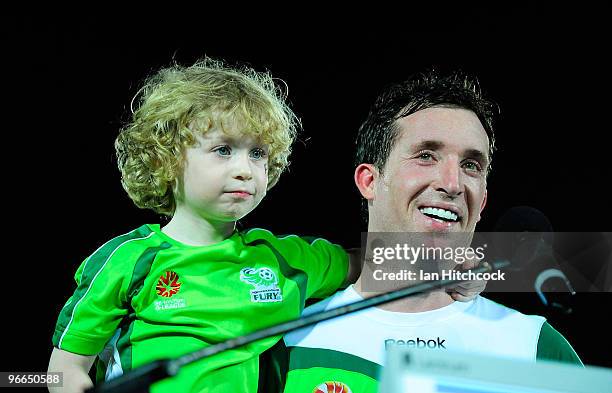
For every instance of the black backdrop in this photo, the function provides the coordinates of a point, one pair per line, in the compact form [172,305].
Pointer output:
[63,198]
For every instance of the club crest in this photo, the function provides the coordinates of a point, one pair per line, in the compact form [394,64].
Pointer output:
[265,282]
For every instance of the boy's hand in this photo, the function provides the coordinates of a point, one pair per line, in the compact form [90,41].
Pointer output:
[354,269]
[75,368]
[470,289]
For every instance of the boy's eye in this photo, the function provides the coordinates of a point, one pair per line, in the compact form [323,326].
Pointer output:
[223,150]
[258,154]
[425,156]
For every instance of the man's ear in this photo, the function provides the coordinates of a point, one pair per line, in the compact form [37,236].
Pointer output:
[365,176]
[483,204]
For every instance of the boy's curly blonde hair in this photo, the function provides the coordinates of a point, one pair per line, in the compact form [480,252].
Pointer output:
[179,100]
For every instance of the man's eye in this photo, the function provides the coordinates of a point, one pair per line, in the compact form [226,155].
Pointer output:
[258,154]
[472,166]
[223,150]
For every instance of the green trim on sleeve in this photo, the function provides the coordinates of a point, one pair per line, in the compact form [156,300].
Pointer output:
[141,271]
[82,341]
[307,239]
[273,369]
[86,346]
[91,267]
[124,346]
[553,346]
[303,358]
[143,267]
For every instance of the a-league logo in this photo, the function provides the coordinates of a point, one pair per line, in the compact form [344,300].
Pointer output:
[265,282]
[168,284]
[332,387]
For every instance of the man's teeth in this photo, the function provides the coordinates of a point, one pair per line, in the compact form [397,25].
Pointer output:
[442,213]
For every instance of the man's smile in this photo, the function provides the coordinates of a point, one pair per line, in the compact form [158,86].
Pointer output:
[442,213]
[439,219]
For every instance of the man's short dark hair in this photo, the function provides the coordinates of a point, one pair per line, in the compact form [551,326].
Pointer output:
[429,89]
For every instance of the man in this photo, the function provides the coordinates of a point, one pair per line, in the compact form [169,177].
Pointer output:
[423,155]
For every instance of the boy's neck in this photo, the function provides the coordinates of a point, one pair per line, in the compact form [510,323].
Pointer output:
[194,230]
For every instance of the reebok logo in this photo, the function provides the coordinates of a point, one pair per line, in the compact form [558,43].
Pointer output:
[418,343]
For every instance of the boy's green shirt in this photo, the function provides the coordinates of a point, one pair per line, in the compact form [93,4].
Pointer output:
[143,296]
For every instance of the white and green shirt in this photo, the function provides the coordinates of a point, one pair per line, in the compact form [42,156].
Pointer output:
[346,354]
[143,296]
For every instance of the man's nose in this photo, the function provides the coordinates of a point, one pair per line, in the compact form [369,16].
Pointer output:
[241,168]
[449,181]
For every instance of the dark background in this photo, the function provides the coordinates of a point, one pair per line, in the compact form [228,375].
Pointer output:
[70,80]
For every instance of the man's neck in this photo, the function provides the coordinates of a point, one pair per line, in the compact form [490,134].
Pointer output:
[193,230]
[417,303]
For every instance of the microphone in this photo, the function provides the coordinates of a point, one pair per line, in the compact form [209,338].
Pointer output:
[531,247]
[523,219]
[543,277]
[531,237]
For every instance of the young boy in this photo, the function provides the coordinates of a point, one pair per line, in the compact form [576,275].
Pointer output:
[204,146]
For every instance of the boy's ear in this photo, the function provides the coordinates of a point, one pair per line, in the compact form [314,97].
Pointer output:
[177,188]
[365,176]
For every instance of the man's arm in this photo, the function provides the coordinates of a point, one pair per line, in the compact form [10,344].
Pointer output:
[75,368]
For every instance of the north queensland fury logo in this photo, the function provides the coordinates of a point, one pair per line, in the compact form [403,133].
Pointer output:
[265,282]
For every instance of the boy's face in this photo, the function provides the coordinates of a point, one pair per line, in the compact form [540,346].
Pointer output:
[225,175]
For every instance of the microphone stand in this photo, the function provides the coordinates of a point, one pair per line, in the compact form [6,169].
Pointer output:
[140,379]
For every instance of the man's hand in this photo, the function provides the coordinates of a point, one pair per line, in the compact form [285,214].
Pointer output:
[470,289]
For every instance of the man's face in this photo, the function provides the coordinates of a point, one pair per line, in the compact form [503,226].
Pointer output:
[435,177]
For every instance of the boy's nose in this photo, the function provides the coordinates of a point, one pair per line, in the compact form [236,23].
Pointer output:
[242,168]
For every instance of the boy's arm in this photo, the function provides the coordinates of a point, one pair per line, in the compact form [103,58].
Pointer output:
[75,369]
[354,268]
